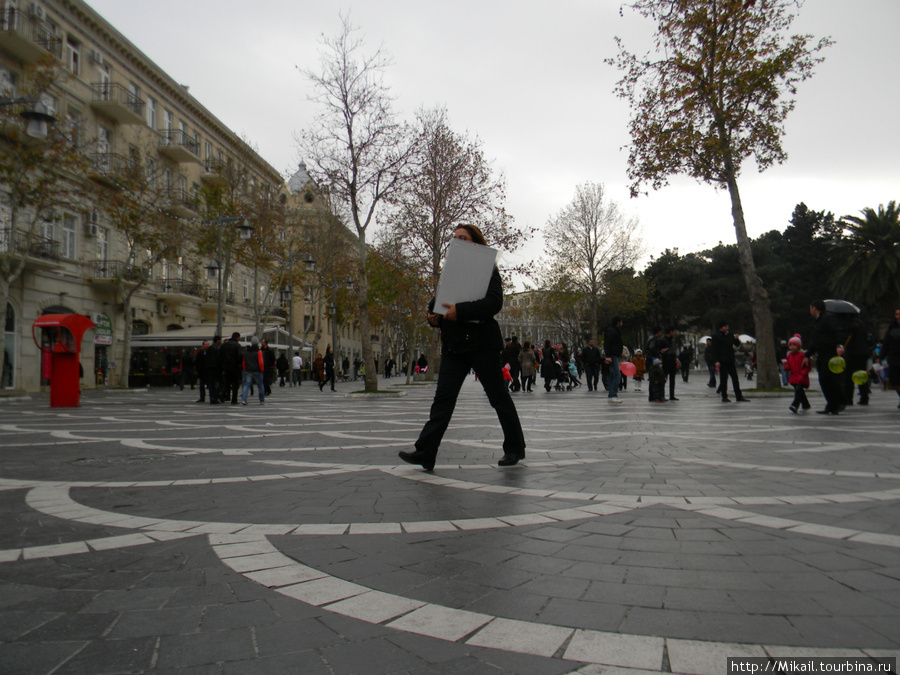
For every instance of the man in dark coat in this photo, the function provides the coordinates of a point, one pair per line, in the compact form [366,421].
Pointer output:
[514,367]
[269,362]
[669,359]
[590,356]
[232,368]
[200,368]
[613,346]
[826,343]
[723,344]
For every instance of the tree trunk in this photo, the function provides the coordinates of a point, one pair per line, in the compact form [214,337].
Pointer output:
[365,326]
[766,366]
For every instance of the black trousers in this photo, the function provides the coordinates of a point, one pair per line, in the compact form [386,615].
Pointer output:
[592,375]
[729,369]
[453,372]
[831,387]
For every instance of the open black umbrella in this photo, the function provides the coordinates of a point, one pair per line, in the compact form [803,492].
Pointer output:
[841,307]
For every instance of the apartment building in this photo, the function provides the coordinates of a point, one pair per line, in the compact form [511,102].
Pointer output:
[130,121]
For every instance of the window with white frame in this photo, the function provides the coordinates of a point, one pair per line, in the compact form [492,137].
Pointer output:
[102,245]
[246,288]
[168,120]
[73,55]
[150,111]
[45,226]
[69,225]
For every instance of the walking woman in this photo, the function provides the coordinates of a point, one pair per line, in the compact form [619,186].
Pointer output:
[329,368]
[470,340]
[527,365]
[548,364]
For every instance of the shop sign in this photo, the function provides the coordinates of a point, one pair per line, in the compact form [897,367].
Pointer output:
[103,334]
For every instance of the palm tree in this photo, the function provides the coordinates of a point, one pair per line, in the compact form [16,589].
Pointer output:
[867,254]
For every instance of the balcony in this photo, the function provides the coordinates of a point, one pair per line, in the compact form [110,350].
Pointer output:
[178,146]
[179,202]
[26,38]
[117,103]
[111,169]
[110,272]
[176,290]
[38,251]
[214,172]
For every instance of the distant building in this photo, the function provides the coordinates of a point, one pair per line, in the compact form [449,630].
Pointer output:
[128,116]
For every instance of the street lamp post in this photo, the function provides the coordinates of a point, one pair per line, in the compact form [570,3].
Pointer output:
[345,282]
[288,296]
[38,118]
[246,231]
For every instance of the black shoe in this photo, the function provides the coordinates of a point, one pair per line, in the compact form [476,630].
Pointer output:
[419,457]
[510,459]
[793,409]
[742,399]
[725,399]
[863,401]
[826,412]
[672,398]
[200,400]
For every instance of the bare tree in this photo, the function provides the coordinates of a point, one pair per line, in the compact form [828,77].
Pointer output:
[136,202]
[587,239]
[454,183]
[357,149]
[716,91]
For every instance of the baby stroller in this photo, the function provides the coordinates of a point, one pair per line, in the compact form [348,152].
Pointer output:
[562,378]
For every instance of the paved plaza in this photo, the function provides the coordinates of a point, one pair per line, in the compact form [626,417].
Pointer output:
[144,532]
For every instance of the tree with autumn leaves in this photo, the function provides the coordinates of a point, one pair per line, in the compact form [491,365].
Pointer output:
[36,175]
[714,93]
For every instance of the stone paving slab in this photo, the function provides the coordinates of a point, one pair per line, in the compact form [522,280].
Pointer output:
[146,533]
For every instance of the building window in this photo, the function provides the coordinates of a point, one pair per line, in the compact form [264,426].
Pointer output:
[102,245]
[73,56]
[168,120]
[209,150]
[151,112]
[68,235]
[246,289]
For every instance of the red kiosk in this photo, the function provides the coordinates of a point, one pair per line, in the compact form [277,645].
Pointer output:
[66,331]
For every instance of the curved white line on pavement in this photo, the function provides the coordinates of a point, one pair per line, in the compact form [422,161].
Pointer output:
[258,560]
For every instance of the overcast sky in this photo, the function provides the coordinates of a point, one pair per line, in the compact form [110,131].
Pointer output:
[528,78]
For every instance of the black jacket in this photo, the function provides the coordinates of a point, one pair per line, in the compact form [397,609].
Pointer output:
[612,342]
[827,335]
[475,328]
[723,345]
[232,355]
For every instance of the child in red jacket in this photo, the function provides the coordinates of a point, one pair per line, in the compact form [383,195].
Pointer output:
[798,374]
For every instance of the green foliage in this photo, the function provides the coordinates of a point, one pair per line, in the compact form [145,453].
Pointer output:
[867,256]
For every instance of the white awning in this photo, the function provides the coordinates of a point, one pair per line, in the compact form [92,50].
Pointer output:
[193,336]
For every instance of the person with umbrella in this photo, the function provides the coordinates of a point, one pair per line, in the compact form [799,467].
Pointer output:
[825,345]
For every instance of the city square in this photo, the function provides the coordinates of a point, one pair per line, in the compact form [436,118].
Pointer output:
[145,532]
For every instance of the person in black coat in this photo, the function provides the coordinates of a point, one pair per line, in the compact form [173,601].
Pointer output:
[891,348]
[613,346]
[548,364]
[470,340]
[723,344]
[590,356]
[232,368]
[669,359]
[826,343]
